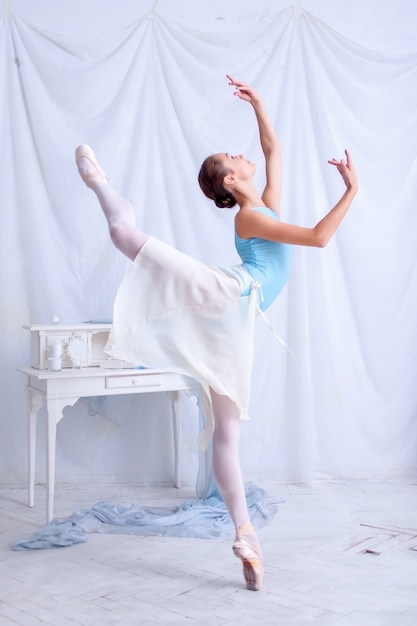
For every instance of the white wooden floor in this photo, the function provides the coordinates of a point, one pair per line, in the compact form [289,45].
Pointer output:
[336,553]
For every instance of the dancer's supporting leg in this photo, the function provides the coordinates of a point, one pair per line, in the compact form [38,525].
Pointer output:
[118,212]
[228,475]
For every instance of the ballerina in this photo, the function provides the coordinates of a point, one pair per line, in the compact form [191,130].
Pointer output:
[175,313]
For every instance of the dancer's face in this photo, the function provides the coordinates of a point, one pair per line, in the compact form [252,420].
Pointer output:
[238,165]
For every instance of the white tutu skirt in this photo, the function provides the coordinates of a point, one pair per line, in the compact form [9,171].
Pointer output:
[176,314]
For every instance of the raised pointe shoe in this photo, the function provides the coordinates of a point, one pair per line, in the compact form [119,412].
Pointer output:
[251,557]
[91,175]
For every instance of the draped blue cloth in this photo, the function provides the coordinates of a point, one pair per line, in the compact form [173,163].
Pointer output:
[202,518]
[205,516]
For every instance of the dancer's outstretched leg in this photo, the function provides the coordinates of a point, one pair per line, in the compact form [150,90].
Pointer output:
[118,212]
[228,475]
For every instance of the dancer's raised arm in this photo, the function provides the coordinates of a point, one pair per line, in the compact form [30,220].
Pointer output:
[229,180]
[271,147]
[254,224]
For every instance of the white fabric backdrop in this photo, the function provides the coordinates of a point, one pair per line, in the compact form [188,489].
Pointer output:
[146,88]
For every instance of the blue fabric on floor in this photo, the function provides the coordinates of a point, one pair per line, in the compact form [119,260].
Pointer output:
[206,518]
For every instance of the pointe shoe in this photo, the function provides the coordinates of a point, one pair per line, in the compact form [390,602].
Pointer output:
[94,174]
[251,557]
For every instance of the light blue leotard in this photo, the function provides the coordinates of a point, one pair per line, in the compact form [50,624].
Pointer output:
[268,262]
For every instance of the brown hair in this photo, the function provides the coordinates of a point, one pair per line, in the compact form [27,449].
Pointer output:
[210,179]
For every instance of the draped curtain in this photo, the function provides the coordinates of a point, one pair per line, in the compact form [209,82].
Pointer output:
[148,91]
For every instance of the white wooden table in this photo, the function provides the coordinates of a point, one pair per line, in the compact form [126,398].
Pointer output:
[60,389]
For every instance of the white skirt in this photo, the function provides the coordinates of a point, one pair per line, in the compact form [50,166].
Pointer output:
[176,314]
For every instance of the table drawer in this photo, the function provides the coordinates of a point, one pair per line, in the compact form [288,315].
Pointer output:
[134,381]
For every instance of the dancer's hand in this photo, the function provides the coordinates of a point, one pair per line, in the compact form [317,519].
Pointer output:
[347,171]
[243,90]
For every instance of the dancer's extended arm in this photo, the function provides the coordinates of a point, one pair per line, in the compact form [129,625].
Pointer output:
[253,224]
[270,145]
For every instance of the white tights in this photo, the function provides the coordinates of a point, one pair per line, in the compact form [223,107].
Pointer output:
[225,456]
[120,217]
[225,447]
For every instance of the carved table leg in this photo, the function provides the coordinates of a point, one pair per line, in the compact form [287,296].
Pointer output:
[35,401]
[55,408]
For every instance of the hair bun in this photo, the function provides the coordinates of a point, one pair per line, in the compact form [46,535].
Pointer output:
[226,201]
[210,179]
